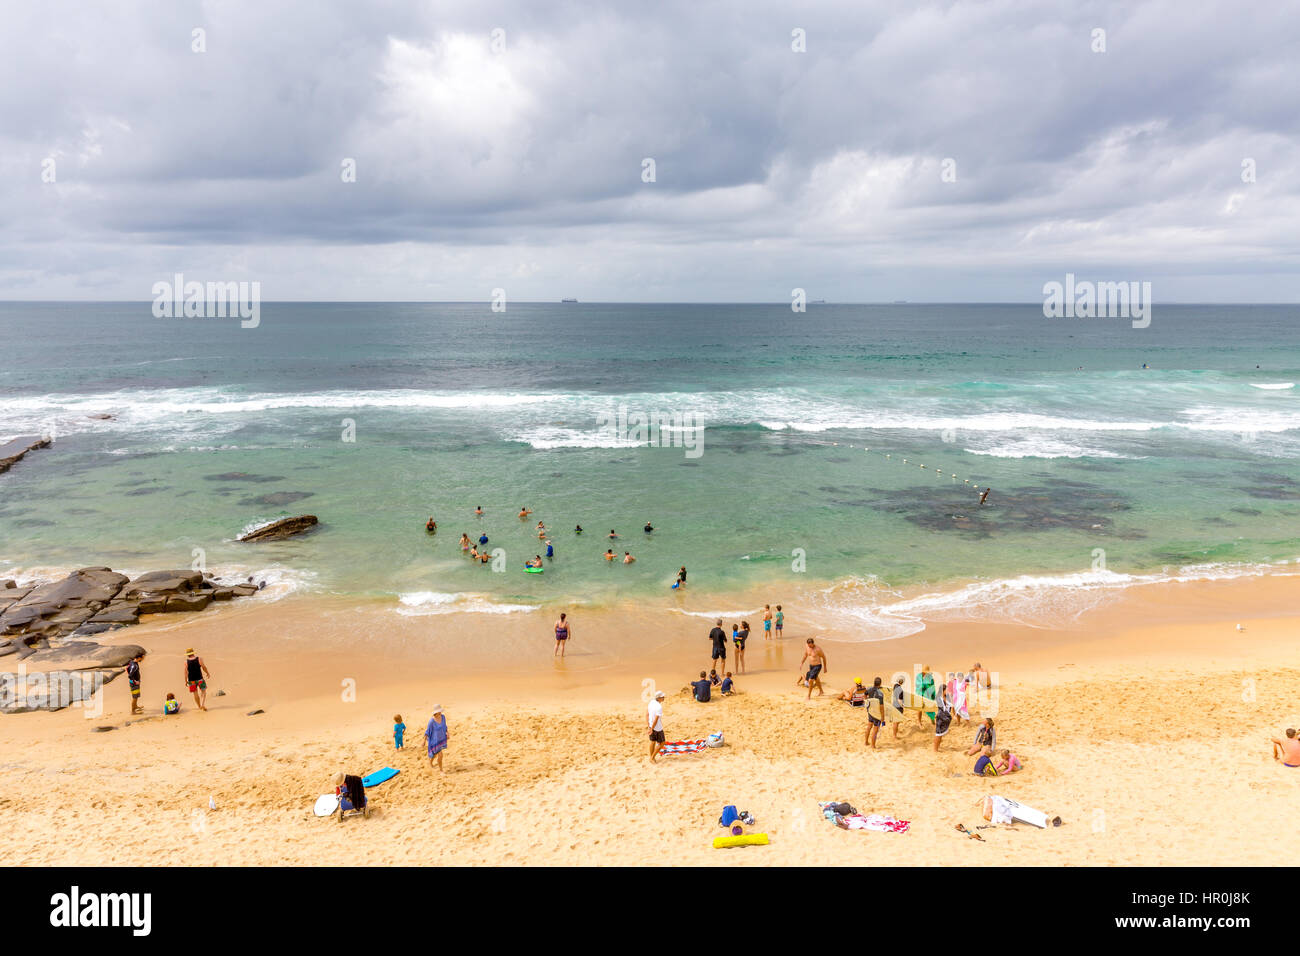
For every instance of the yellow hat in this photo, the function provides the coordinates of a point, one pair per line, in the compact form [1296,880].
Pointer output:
[857,680]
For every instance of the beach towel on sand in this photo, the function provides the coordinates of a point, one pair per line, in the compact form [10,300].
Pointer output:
[865,821]
[682,747]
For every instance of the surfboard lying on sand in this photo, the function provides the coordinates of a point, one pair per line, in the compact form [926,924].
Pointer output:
[379,776]
[327,804]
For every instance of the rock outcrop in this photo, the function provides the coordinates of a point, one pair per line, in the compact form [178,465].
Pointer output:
[12,452]
[48,624]
[281,528]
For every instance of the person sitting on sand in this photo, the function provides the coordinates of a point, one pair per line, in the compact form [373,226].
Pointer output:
[714,679]
[1009,763]
[1288,750]
[728,685]
[351,793]
[431,525]
[171,705]
[984,765]
[627,557]
[435,736]
[985,736]
[609,555]
[857,697]
[701,688]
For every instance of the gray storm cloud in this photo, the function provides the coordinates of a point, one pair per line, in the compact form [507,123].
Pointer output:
[515,159]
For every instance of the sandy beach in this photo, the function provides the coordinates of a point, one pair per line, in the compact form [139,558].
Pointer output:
[1144,725]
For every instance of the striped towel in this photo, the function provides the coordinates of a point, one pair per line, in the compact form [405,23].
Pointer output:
[868,821]
[682,747]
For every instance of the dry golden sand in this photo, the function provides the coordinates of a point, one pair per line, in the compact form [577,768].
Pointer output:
[1145,729]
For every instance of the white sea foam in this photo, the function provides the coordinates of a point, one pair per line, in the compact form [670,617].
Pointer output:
[1043,448]
[1029,600]
[421,603]
[1273,386]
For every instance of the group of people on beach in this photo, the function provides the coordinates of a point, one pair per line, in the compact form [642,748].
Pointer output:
[196,679]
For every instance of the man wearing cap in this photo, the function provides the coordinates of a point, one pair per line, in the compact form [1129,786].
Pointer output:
[435,735]
[655,720]
[196,674]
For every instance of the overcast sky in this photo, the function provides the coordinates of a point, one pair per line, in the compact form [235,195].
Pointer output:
[521,168]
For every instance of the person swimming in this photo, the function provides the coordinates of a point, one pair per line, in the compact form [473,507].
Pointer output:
[984,497]
[536,562]
[648,527]
[613,533]
[609,555]
[577,529]
[524,512]
[431,526]
[627,557]
[479,511]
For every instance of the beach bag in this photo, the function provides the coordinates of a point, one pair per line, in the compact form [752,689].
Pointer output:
[713,740]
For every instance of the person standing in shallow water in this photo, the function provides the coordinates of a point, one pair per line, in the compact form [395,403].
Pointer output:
[435,736]
[562,634]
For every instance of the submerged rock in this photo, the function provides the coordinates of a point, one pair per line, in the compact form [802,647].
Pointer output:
[12,452]
[281,528]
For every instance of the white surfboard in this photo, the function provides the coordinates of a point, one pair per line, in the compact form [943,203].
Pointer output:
[327,804]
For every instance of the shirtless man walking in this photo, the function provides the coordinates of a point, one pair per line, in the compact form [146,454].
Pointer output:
[816,659]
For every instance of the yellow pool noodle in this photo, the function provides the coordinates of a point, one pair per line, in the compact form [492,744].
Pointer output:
[749,839]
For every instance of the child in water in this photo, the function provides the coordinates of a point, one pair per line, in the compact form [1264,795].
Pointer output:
[399,729]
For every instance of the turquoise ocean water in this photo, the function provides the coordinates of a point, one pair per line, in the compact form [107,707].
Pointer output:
[1101,471]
